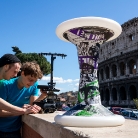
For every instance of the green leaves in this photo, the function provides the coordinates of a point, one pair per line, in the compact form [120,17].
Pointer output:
[16,50]
[41,60]
[136,102]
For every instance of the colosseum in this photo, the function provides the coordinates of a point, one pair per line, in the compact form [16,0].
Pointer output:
[118,67]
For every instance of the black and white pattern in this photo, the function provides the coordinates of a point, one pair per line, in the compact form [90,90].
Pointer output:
[87,41]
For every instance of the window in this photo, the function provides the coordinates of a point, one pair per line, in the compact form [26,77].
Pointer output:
[131,37]
[101,51]
[133,115]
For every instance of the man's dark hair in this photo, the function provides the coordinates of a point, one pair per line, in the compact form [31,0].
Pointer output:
[33,69]
[8,59]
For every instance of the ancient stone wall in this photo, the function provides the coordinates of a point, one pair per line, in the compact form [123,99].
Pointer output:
[118,67]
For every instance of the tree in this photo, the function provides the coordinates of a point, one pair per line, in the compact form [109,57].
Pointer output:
[136,102]
[16,50]
[41,60]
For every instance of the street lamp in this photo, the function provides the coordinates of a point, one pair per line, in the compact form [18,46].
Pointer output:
[49,104]
[51,84]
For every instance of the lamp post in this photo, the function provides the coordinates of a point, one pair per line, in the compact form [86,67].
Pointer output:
[52,84]
[50,103]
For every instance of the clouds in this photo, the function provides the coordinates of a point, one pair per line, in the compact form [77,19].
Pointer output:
[77,84]
[59,79]
[63,84]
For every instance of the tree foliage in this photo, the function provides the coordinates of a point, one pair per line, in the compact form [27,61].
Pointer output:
[41,60]
[136,102]
[16,50]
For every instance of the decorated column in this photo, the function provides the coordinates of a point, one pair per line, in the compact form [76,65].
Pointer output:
[87,34]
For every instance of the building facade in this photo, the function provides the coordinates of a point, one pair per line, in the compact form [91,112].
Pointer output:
[70,97]
[118,67]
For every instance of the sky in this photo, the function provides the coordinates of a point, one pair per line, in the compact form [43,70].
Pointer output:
[31,25]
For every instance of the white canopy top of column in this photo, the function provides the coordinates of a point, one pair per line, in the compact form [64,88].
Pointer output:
[88,21]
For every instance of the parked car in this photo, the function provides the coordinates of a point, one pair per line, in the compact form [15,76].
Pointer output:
[123,109]
[115,110]
[130,114]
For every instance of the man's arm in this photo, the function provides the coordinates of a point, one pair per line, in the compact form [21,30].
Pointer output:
[30,109]
[4,113]
[7,109]
[11,108]
[34,96]
[4,105]
[38,99]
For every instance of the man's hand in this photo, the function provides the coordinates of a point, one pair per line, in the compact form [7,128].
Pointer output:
[31,109]
[25,106]
[44,93]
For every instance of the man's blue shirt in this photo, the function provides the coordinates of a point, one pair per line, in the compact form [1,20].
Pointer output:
[18,97]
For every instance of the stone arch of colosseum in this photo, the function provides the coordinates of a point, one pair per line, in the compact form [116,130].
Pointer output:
[114,94]
[107,70]
[118,67]
[132,92]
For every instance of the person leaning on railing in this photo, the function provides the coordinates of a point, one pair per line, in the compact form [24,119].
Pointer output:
[22,92]
[9,67]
